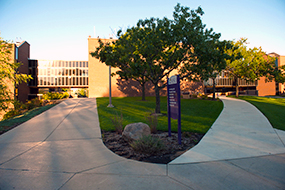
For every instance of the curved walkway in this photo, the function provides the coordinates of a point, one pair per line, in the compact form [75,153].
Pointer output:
[62,149]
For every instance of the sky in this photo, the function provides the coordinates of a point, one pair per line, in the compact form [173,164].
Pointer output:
[59,29]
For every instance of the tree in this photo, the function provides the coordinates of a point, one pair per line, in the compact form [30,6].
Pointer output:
[210,60]
[120,54]
[8,74]
[251,64]
[155,46]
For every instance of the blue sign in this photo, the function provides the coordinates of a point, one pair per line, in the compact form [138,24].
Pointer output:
[173,101]
[173,90]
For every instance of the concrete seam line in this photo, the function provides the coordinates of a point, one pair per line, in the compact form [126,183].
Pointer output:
[180,182]
[279,137]
[256,175]
[61,121]
[66,182]
[80,172]
[21,154]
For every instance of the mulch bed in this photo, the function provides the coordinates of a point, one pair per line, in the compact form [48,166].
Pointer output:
[117,144]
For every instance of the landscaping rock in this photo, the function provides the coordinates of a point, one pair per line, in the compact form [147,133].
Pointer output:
[134,131]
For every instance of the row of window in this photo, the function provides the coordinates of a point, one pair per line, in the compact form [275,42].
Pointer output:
[62,81]
[62,63]
[62,72]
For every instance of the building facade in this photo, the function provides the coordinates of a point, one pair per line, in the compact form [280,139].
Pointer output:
[99,81]
[54,75]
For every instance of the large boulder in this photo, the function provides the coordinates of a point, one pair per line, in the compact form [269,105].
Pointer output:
[134,131]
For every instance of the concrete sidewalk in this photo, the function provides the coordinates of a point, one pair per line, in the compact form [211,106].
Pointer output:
[62,149]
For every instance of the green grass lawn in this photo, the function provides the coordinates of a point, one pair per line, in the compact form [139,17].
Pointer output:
[272,108]
[7,124]
[196,115]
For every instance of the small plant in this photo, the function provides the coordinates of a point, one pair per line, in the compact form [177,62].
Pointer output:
[186,134]
[148,145]
[11,114]
[204,96]
[118,122]
[34,103]
[152,121]
[55,95]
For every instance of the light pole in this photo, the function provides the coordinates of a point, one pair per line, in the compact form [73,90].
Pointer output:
[110,90]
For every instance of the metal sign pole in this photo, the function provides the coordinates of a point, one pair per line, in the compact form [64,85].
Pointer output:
[179,110]
[110,90]
[168,110]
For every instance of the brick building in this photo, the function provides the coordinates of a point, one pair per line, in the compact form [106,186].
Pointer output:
[99,81]
[53,75]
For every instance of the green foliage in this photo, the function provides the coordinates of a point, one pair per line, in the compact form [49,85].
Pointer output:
[82,92]
[9,123]
[31,104]
[55,95]
[196,115]
[20,108]
[11,113]
[8,75]
[148,145]
[250,64]
[154,47]
[118,123]
[210,59]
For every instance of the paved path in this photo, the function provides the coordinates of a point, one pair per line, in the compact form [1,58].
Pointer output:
[62,149]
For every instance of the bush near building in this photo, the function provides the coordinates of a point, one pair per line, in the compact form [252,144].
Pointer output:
[55,95]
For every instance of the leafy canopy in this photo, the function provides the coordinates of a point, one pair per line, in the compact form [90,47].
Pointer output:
[154,47]
[8,74]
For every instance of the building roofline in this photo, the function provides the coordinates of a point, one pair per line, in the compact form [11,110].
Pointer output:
[22,43]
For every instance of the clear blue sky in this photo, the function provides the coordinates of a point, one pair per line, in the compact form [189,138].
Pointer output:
[58,29]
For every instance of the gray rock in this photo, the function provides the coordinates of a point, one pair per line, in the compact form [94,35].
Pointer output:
[134,131]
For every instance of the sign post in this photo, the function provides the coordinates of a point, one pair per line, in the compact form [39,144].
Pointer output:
[173,103]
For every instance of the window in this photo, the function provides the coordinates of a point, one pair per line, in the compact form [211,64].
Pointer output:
[83,64]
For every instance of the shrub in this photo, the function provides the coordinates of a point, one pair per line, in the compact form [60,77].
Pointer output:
[11,114]
[55,95]
[118,122]
[152,121]
[148,145]
[204,96]
[31,104]
[82,92]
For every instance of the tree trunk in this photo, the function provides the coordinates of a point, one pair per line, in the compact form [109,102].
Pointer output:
[237,89]
[214,88]
[157,99]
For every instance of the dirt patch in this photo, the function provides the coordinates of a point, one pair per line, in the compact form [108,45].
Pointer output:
[116,143]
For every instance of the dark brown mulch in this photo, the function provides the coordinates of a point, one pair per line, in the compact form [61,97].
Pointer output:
[117,144]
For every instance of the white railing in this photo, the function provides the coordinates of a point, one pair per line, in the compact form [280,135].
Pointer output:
[229,82]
